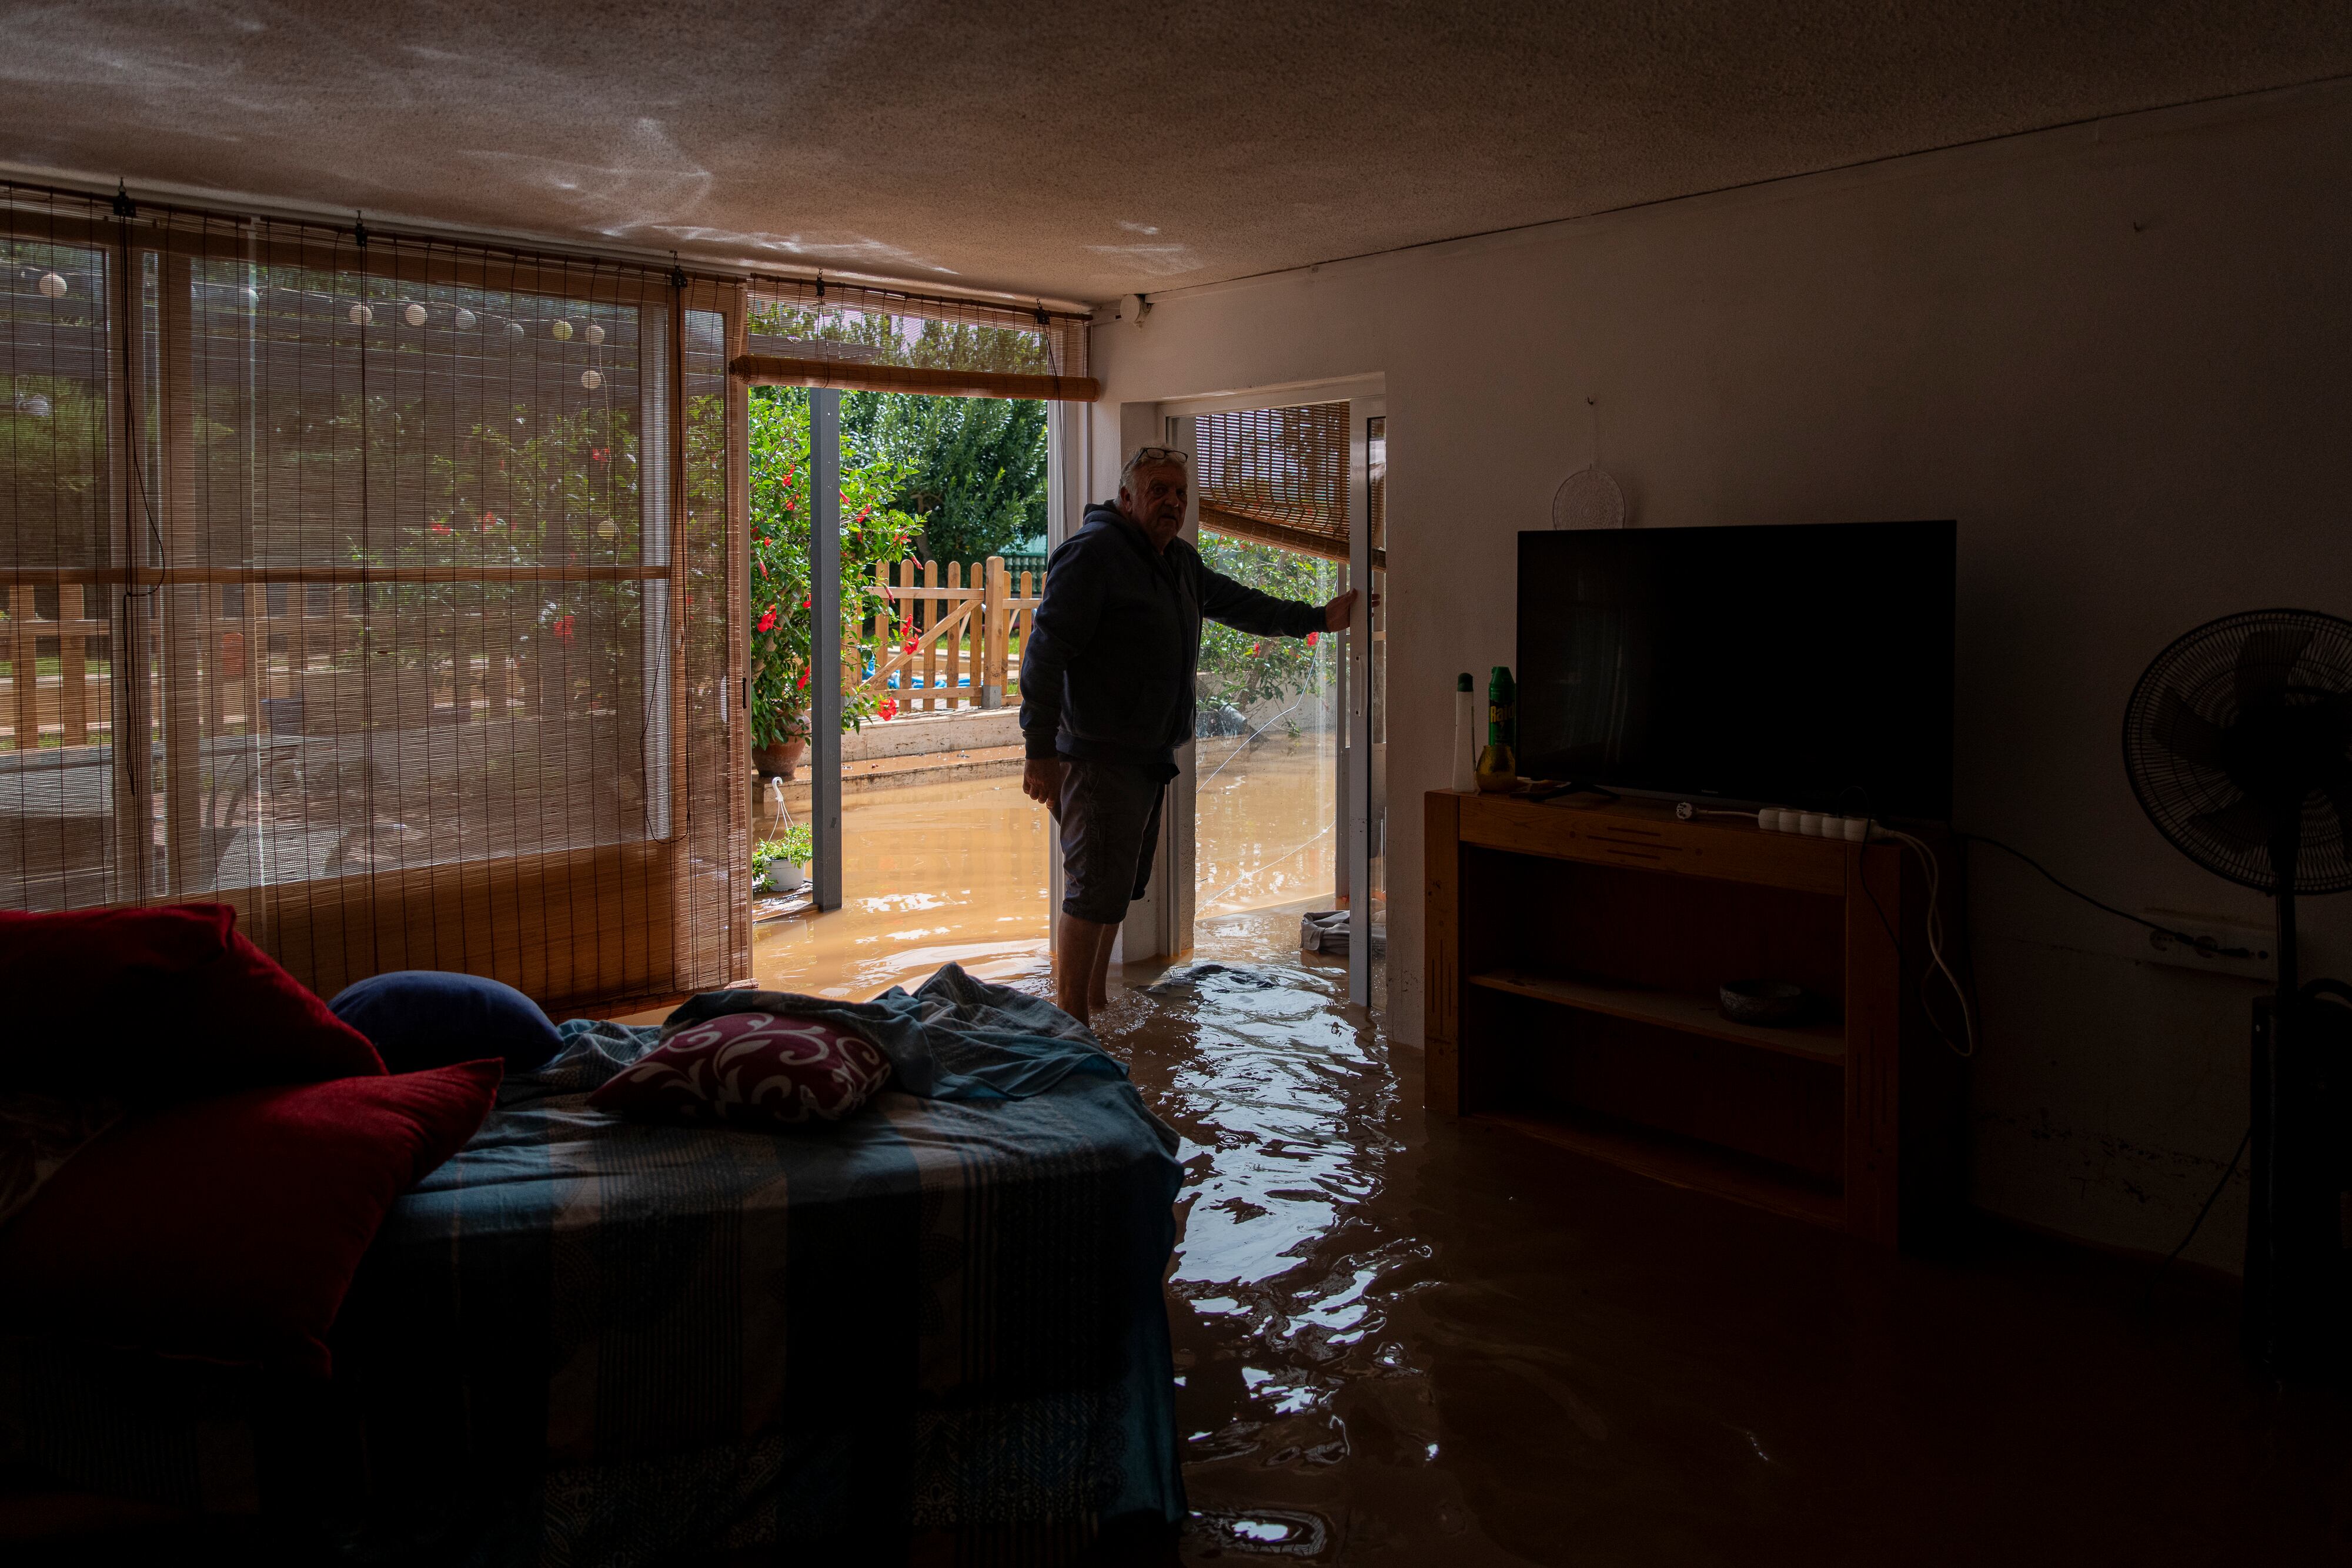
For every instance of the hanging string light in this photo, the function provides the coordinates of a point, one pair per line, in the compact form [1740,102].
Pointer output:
[514,329]
[560,331]
[413,315]
[361,316]
[594,334]
[463,320]
[53,285]
[592,380]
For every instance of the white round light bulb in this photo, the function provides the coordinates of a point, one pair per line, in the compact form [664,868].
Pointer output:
[560,331]
[514,329]
[361,316]
[592,380]
[413,315]
[463,321]
[53,284]
[593,332]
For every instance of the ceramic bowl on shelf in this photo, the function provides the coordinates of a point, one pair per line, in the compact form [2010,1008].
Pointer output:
[1768,1004]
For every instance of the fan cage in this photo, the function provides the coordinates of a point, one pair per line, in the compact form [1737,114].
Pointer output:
[2312,653]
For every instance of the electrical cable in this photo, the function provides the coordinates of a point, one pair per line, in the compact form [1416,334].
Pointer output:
[2202,945]
[1936,962]
[2148,1291]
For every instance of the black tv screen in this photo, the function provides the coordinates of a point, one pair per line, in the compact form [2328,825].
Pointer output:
[1808,666]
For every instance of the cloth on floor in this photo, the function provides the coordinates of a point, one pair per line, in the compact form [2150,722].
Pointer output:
[1325,931]
[1242,976]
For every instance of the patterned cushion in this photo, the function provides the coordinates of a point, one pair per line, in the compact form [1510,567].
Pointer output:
[750,1069]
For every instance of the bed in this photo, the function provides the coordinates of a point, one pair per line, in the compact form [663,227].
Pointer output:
[594,1342]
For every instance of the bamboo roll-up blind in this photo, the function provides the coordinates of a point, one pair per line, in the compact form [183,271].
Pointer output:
[1278,476]
[382,587]
[877,339]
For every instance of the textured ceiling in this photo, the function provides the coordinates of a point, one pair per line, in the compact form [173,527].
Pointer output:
[1078,152]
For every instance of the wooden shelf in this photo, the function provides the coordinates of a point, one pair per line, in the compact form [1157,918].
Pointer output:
[1667,1009]
[1570,990]
[1682,1162]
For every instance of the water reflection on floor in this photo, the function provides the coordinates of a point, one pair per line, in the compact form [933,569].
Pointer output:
[1299,1402]
[1411,1342]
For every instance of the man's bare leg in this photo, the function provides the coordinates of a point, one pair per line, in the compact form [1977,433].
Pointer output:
[1099,979]
[1081,958]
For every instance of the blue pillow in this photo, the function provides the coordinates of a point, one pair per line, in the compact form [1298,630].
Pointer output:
[422,1018]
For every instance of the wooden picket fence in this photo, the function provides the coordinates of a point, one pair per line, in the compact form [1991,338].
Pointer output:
[945,636]
[246,655]
[74,702]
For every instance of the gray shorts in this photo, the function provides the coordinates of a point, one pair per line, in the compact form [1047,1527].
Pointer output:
[1110,826]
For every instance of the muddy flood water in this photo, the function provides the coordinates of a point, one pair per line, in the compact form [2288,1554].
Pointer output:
[938,873]
[1409,1342]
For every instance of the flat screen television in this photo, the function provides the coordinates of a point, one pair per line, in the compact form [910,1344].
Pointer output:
[1806,665]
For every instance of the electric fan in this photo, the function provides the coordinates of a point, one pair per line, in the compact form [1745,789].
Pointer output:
[2238,741]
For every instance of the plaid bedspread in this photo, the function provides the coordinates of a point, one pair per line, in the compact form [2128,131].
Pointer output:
[589,1341]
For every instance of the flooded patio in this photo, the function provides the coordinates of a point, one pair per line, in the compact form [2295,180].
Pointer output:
[957,873]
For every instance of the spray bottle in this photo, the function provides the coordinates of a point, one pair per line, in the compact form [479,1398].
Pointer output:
[1465,734]
[1499,765]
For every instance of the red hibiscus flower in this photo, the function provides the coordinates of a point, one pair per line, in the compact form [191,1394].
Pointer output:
[437,528]
[768,621]
[596,455]
[562,627]
[804,680]
[1310,638]
[890,708]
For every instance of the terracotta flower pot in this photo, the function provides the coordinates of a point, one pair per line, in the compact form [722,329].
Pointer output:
[781,760]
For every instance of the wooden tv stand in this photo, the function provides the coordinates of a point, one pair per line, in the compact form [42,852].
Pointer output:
[1574,956]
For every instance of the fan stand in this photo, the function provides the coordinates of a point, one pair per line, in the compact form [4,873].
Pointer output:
[2293,1238]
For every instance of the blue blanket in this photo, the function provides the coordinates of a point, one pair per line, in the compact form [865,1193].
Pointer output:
[600,1343]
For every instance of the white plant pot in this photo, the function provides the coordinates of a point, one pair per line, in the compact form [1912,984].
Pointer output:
[785,876]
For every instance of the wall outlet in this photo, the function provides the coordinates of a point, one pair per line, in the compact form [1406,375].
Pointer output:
[2219,947]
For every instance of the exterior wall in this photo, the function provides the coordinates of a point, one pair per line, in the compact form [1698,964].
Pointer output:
[2119,353]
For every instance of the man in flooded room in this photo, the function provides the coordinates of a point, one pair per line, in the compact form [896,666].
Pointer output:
[1107,696]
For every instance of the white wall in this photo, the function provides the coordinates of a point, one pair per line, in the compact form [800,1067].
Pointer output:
[2120,354]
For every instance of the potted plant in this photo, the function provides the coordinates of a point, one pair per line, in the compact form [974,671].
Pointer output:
[781,864]
[871,530]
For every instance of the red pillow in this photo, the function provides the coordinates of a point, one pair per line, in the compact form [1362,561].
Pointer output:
[754,1069]
[228,1229]
[212,1012]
